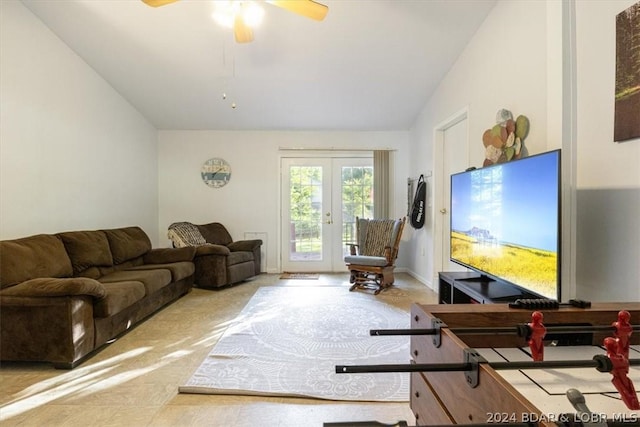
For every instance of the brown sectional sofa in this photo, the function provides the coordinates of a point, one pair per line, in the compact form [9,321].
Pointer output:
[63,296]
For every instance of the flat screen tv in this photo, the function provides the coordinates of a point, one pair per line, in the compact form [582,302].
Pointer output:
[506,223]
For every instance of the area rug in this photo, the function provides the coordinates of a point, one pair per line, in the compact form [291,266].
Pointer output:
[287,342]
[304,276]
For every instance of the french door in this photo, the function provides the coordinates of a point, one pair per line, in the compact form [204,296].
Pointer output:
[320,199]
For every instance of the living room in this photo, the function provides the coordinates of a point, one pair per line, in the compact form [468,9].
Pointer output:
[76,155]
[142,174]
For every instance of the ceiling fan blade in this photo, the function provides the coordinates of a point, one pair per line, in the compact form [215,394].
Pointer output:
[158,3]
[241,30]
[308,8]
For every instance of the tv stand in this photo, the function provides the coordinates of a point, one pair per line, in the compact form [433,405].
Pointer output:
[477,278]
[468,287]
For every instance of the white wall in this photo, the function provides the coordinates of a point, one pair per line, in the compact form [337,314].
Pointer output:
[73,153]
[608,173]
[250,201]
[504,66]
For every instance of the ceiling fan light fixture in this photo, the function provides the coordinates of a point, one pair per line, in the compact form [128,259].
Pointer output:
[226,13]
[252,13]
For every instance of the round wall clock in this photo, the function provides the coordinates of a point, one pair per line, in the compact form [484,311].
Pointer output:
[216,172]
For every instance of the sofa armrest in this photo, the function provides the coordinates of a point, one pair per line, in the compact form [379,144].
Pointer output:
[169,255]
[52,287]
[211,249]
[244,245]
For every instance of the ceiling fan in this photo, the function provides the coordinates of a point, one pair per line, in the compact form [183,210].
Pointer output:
[242,29]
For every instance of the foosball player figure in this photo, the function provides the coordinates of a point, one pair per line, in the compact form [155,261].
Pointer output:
[536,337]
[620,380]
[623,332]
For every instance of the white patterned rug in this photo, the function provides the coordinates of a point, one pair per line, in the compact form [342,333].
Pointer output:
[287,342]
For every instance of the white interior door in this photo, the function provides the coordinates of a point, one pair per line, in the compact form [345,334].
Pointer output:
[451,157]
[320,198]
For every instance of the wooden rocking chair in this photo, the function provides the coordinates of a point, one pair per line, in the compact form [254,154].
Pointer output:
[372,260]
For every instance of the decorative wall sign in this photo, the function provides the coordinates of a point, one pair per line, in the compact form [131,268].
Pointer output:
[627,104]
[216,172]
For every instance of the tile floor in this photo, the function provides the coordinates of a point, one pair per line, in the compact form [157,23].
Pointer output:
[134,380]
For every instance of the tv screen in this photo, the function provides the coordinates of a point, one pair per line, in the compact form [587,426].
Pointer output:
[505,222]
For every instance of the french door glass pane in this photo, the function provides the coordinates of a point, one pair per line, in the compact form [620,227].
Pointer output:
[306,213]
[357,200]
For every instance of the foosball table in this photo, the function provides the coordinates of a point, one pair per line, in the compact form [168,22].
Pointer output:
[501,364]
[511,395]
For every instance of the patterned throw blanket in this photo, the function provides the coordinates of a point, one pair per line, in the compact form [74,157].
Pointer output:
[184,234]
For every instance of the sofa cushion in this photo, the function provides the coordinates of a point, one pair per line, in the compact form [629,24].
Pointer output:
[119,295]
[31,257]
[91,272]
[179,270]
[215,233]
[87,249]
[168,255]
[371,261]
[127,243]
[50,287]
[184,234]
[151,279]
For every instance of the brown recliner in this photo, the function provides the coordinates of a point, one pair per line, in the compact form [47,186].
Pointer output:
[219,261]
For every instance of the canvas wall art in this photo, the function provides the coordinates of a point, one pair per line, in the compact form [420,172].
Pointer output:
[627,101]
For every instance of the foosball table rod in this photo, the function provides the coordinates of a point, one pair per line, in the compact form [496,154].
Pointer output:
[612,363]
[519,330]
[599,362]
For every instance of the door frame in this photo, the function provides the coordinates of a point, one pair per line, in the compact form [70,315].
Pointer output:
[438,184]
[308,154]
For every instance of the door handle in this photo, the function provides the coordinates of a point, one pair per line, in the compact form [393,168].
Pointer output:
[443,211]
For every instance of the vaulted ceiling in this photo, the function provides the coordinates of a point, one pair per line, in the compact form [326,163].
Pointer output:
[370,65]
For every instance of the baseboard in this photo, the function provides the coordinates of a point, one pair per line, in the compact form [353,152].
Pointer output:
[428,283]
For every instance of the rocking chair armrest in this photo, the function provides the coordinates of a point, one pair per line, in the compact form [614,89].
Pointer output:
[389,254]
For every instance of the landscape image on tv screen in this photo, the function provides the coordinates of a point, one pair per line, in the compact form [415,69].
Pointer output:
[505,222]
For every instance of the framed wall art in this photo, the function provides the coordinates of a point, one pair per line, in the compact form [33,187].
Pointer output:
[627,101]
